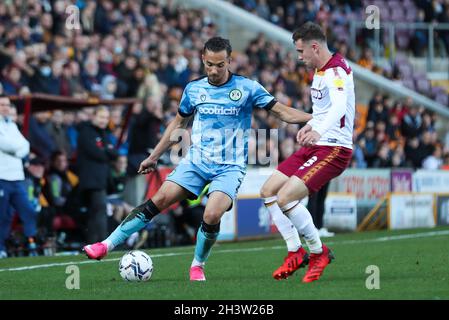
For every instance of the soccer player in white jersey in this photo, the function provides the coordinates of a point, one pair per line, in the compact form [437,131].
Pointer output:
[326,151]
[221,104]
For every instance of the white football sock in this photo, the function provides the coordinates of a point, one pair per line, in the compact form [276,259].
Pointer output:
[283,224]
[108,244]
[196,263]
[302,219]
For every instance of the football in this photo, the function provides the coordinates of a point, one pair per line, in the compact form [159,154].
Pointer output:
[136,266]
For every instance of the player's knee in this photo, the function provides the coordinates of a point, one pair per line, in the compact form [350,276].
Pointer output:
[161,201]
[212,216]
[266,191]
[283,199]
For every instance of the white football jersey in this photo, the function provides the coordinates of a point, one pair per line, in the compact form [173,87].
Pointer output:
[333,100]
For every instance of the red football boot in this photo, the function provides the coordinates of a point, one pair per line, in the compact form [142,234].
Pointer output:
[317,263]
[292,262]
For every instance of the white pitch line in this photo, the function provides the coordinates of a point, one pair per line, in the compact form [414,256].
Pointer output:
[41,266]
[398,237]
[172,254]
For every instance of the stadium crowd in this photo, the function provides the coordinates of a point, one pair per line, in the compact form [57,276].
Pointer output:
[142,49]
[335,17]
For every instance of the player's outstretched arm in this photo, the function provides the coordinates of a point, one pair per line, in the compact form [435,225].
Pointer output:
[289,114]
[149,164]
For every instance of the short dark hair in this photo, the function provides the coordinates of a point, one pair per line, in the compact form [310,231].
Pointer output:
[217,44]
[309,31]
[56,154]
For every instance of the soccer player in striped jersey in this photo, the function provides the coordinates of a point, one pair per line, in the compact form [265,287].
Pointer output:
[326,151]
[221,104]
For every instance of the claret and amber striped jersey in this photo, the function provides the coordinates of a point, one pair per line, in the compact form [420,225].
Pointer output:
[333,100]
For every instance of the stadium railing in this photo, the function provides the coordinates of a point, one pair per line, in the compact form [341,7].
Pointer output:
[392,28]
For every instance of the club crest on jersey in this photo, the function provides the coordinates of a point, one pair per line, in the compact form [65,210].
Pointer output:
[316,93]
[235,94]
[203,97]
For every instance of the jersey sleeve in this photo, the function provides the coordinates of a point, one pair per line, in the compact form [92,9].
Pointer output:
[186,109]
[261,97]
[335,79]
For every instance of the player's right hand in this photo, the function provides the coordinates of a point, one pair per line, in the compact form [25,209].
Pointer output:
[302,132]
[148,165]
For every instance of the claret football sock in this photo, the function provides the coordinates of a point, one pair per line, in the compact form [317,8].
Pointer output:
[283,224]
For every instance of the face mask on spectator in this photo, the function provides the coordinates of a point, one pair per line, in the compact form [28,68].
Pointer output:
[46,70]
[107,58]
[118,50]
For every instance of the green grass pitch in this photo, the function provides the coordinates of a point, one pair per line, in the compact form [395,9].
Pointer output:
[413,264]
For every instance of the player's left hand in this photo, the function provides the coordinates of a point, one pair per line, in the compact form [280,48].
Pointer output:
[310,138]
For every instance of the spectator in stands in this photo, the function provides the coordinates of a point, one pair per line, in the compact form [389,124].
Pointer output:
[167,70]
[378,113]
[70,81]
[377,98]
[10,80]
[34,182]
[342,47]
[13,148]
[58,131]
[150,87]
[427,122]
[358,157]
[366,59]
[388,102]
[60,180]
[59,188]
[412,124]
[383,158]
[393,129]
[398,158]
[125,71]
[94,154]
[429,142]
[56,76]
[90,77]
[415,152]
[419,40]
[400,110]
[72,132]
[108,87]
[433,161]
[368,144]
[191,72]
[40,139]
[144,132]
[43,80]
[102,17]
